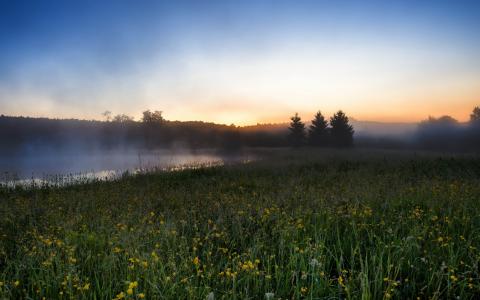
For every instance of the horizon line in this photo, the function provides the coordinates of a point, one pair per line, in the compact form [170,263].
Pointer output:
[272,123]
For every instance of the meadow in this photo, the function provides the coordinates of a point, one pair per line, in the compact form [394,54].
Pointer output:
[297,224]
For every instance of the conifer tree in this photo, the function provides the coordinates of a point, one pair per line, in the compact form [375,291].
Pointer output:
[341,131]
[475,115]
[318,131]
[297,131]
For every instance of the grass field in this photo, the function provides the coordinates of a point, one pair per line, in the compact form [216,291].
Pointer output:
[297,224]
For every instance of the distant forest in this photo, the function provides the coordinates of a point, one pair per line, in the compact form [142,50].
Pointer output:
[24,134]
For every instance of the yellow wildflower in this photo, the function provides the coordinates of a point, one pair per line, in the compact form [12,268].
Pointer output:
[196,261]
[133,285]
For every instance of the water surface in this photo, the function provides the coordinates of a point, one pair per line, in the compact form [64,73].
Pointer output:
[58,166]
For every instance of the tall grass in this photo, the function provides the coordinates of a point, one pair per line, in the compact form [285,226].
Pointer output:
[292,226]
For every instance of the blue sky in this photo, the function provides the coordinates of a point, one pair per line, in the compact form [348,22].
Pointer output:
[240,61]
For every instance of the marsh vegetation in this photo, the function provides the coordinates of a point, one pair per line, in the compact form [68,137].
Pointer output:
[295,224]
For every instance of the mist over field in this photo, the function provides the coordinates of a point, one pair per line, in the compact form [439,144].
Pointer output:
[35,147]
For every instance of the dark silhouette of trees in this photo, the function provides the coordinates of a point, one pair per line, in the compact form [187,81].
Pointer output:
[153,117]
[473,131]
[318,131]
[122,118]
[441,121]
[438,126]
[231,140]
[475,115]
[23,134]
[152,125]
[297,131]
[107,115]
[341,132]
[438,133]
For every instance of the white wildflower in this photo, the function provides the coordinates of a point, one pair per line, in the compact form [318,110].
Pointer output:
[314,263]
[269,296]
[210,296]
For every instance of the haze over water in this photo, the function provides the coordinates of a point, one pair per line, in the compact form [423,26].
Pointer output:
[106,164]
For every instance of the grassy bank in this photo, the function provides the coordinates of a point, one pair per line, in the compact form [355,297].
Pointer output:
[296,225]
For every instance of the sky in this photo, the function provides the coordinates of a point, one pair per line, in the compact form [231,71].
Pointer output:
[241,62]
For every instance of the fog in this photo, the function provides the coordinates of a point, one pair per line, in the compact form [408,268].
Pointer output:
[34,148]
[66,166]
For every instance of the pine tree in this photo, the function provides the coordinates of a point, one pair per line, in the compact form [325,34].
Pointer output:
[341,131]
[297,131]
[318,131]
[475,115]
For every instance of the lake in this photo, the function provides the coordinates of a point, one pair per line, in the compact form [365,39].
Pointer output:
[66,167]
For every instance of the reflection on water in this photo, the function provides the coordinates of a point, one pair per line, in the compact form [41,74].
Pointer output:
[65,168]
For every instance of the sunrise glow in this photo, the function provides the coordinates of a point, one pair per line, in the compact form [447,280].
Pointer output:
[242,63]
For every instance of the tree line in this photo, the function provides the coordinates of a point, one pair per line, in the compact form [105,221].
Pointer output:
[25,134]
[337,132]
[446,133]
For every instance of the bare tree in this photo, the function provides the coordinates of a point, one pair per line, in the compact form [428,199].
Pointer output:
[107,115]
[122,118]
